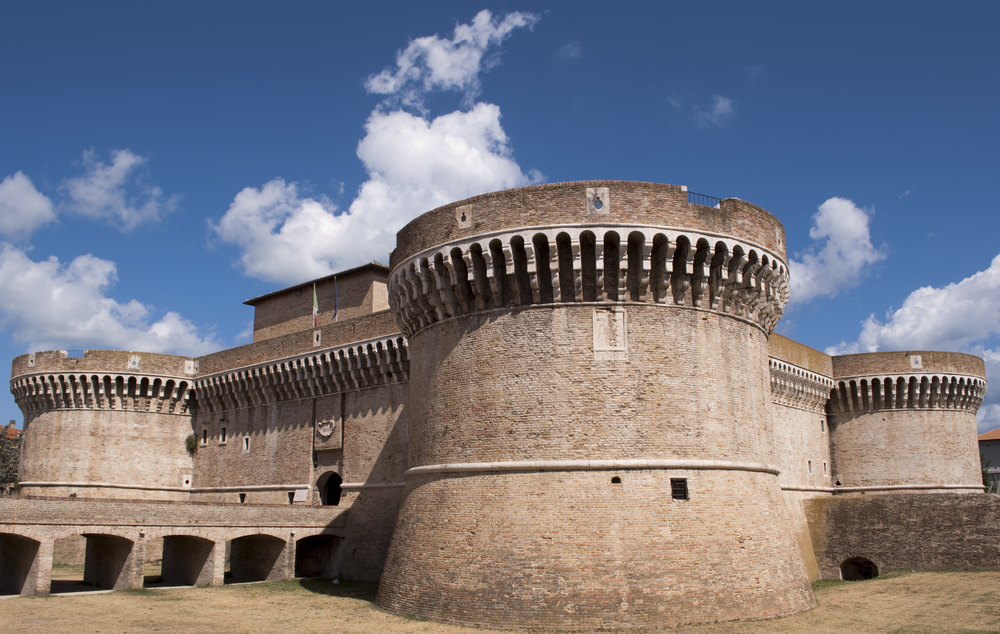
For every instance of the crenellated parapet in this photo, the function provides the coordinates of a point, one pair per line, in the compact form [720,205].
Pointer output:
[907,391]
[353,367]
[795,386]
[127,392]
[590,263]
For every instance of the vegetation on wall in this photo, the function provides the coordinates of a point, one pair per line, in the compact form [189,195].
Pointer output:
[191,444]
[10,450]
[989,479]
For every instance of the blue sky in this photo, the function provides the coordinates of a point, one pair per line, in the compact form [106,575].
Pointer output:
[162,163]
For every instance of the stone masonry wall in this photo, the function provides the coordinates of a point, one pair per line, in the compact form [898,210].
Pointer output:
[566,203]
[937,531]
[359,292]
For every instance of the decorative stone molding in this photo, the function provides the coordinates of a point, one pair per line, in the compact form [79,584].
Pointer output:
[593,465]
[907,391]
[79,390]
[356,366]
[610,264]
[795,386]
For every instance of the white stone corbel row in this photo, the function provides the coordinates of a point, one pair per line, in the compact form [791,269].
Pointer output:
[96,390]
[355,366]
[795,386]
[589,263]
[945,390]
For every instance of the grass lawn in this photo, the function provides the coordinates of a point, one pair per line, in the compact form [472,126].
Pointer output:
[910,603]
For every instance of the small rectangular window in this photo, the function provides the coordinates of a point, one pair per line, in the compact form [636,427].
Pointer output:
[810,462]
[246,444]
[222,435]
[822,425]
[679,488]
[204,436]
[824,468]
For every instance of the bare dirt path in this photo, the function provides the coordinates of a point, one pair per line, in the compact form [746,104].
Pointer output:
[913,603]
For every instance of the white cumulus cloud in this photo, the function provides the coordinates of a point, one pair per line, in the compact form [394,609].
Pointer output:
[116,192]
[48,305]
[414,165]
[22,207]
[432,62]
[570,50]
[839,262]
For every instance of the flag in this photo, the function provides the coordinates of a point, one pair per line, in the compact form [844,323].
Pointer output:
[315,308]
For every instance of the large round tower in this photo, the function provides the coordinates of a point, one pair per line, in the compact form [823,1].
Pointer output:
[104,424]
[590,439]
[905,422]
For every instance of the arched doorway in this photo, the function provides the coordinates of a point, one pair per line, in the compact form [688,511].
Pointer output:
[329,488]
[858,569]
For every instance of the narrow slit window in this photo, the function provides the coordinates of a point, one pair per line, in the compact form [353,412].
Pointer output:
[222,435]
[810,463]
[679,488]
[204,436]
[822,425]
[824,469]
[246,444]
[243,498]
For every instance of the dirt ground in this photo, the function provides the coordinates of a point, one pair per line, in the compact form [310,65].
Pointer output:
[911,603]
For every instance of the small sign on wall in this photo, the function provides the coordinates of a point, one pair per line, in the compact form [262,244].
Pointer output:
[610,334]
[301,495]
[916,363]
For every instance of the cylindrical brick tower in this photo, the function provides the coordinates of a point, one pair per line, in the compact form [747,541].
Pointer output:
[108,424]
[905,422]
[590,439]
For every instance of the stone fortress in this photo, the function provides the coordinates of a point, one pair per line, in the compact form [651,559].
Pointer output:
[560,406]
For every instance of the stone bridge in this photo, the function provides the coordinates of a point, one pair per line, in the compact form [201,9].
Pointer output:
[262,543]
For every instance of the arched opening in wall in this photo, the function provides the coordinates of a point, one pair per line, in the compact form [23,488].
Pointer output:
[716,272]
[256,558]
[567,277]
[588,265]
[543,268]
[680,280]
[658,267]
[520,258]
[499,261]
[633,282]
[18,574]
[315,556]
[187,561]
[698,273]
[858,569]
[612,265]
[479,276]
[104,567]
[329,488]
[461,275]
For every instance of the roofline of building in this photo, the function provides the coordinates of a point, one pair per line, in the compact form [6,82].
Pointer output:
[253,301]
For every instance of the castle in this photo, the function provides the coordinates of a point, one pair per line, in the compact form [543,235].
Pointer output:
[560,406]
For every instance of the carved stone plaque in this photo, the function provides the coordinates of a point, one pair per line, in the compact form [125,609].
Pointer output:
[610,334]
[327,434]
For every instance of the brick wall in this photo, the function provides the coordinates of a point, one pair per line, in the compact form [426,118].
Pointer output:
[941,531]
[359,292]
[566,203]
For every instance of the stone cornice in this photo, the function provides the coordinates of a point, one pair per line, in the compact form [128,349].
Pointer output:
[158,394]
[795,386]
[359,365]
[589,263]
[926,390]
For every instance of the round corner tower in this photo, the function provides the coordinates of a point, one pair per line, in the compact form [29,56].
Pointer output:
[590,439]
[905,422]
[106,424]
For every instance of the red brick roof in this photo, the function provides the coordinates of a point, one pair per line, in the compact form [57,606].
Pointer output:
[993,434]
[12,433]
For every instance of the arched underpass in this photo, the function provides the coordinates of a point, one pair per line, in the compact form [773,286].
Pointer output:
[257,558]
[110,563]
[314,556]
[187,561]
[18,568]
